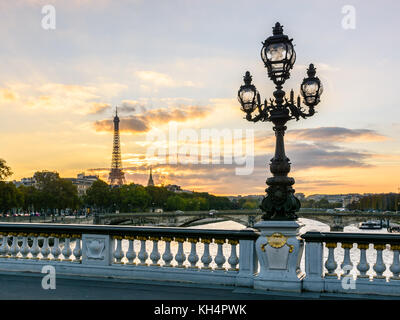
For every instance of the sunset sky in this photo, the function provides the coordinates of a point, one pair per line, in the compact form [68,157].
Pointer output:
[179,64]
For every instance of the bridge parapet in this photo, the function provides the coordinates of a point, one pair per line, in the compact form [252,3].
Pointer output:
[207,257]
[325,250]
[164,254]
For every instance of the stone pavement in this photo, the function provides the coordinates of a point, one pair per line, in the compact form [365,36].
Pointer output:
[15,286]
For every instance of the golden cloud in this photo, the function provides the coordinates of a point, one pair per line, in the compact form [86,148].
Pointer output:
[144,122]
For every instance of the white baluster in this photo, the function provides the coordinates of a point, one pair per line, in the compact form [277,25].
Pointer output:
[167,255]
[395,267]
[180,255]
[24,248]
[233,259]
[66,252]
[193,257]
[118,253]
[142,253]
[379,265]
[55,251]
[220,258]
[5,248]
[77,250]
[131,254]
[206,258]
[330,263]
[35,249]
[45,247]
[363,265]
[346,265]
[155,255]
[14,246]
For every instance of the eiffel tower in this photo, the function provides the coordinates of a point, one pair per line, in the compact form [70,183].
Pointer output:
[116,177]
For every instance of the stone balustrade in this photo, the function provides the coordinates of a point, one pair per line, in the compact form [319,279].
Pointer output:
[170,254]
[352,263]
[344,263]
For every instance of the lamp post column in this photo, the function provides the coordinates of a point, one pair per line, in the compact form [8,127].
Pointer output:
[279,247]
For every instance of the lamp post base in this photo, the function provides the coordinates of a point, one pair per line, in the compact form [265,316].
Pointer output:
[280,202]
[279,251]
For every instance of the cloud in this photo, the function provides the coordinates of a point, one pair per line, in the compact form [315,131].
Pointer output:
[99,108]
[130,106]
[335,134]
[7,95]
[128,124]
[144,122]
[59,97]
[157,79]
[306,156]
[221,178]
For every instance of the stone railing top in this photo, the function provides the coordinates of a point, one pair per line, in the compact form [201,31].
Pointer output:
[59,229]
[344,237]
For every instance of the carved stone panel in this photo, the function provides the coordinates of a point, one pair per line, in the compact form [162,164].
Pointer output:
[96,249]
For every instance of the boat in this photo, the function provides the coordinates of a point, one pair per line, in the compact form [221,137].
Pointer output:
[393,228]
[375,225]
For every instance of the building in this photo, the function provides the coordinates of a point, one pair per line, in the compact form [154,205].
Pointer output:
[27,182]
[177,189]
[83,182]
[300,196]
[344,199]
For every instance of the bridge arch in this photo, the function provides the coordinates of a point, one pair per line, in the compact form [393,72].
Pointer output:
[208,220]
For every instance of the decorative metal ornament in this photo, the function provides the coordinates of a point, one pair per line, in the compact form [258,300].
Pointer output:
[277,240]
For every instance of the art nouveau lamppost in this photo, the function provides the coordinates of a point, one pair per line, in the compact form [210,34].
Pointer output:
[279,56]
[278,247]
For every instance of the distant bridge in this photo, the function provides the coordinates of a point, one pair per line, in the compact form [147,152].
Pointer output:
[336,221]
[49,219]
[181,219]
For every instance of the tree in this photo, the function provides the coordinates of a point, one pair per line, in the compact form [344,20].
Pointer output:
[175,203]
[99,195]
[250,204]
[10,197]
[134,198]
[5,171]
[55,192]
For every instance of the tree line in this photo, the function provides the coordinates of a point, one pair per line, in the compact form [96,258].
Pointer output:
[52,193]
[321,204]
[380,202]
[136,198]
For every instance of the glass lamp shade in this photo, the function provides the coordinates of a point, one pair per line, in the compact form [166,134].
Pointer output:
[311,88]
[248,94]
[278,55]
[247,97]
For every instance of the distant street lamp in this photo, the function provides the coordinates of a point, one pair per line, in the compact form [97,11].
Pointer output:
[279,57]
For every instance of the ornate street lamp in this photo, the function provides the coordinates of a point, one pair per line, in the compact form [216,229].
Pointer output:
[279,57]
